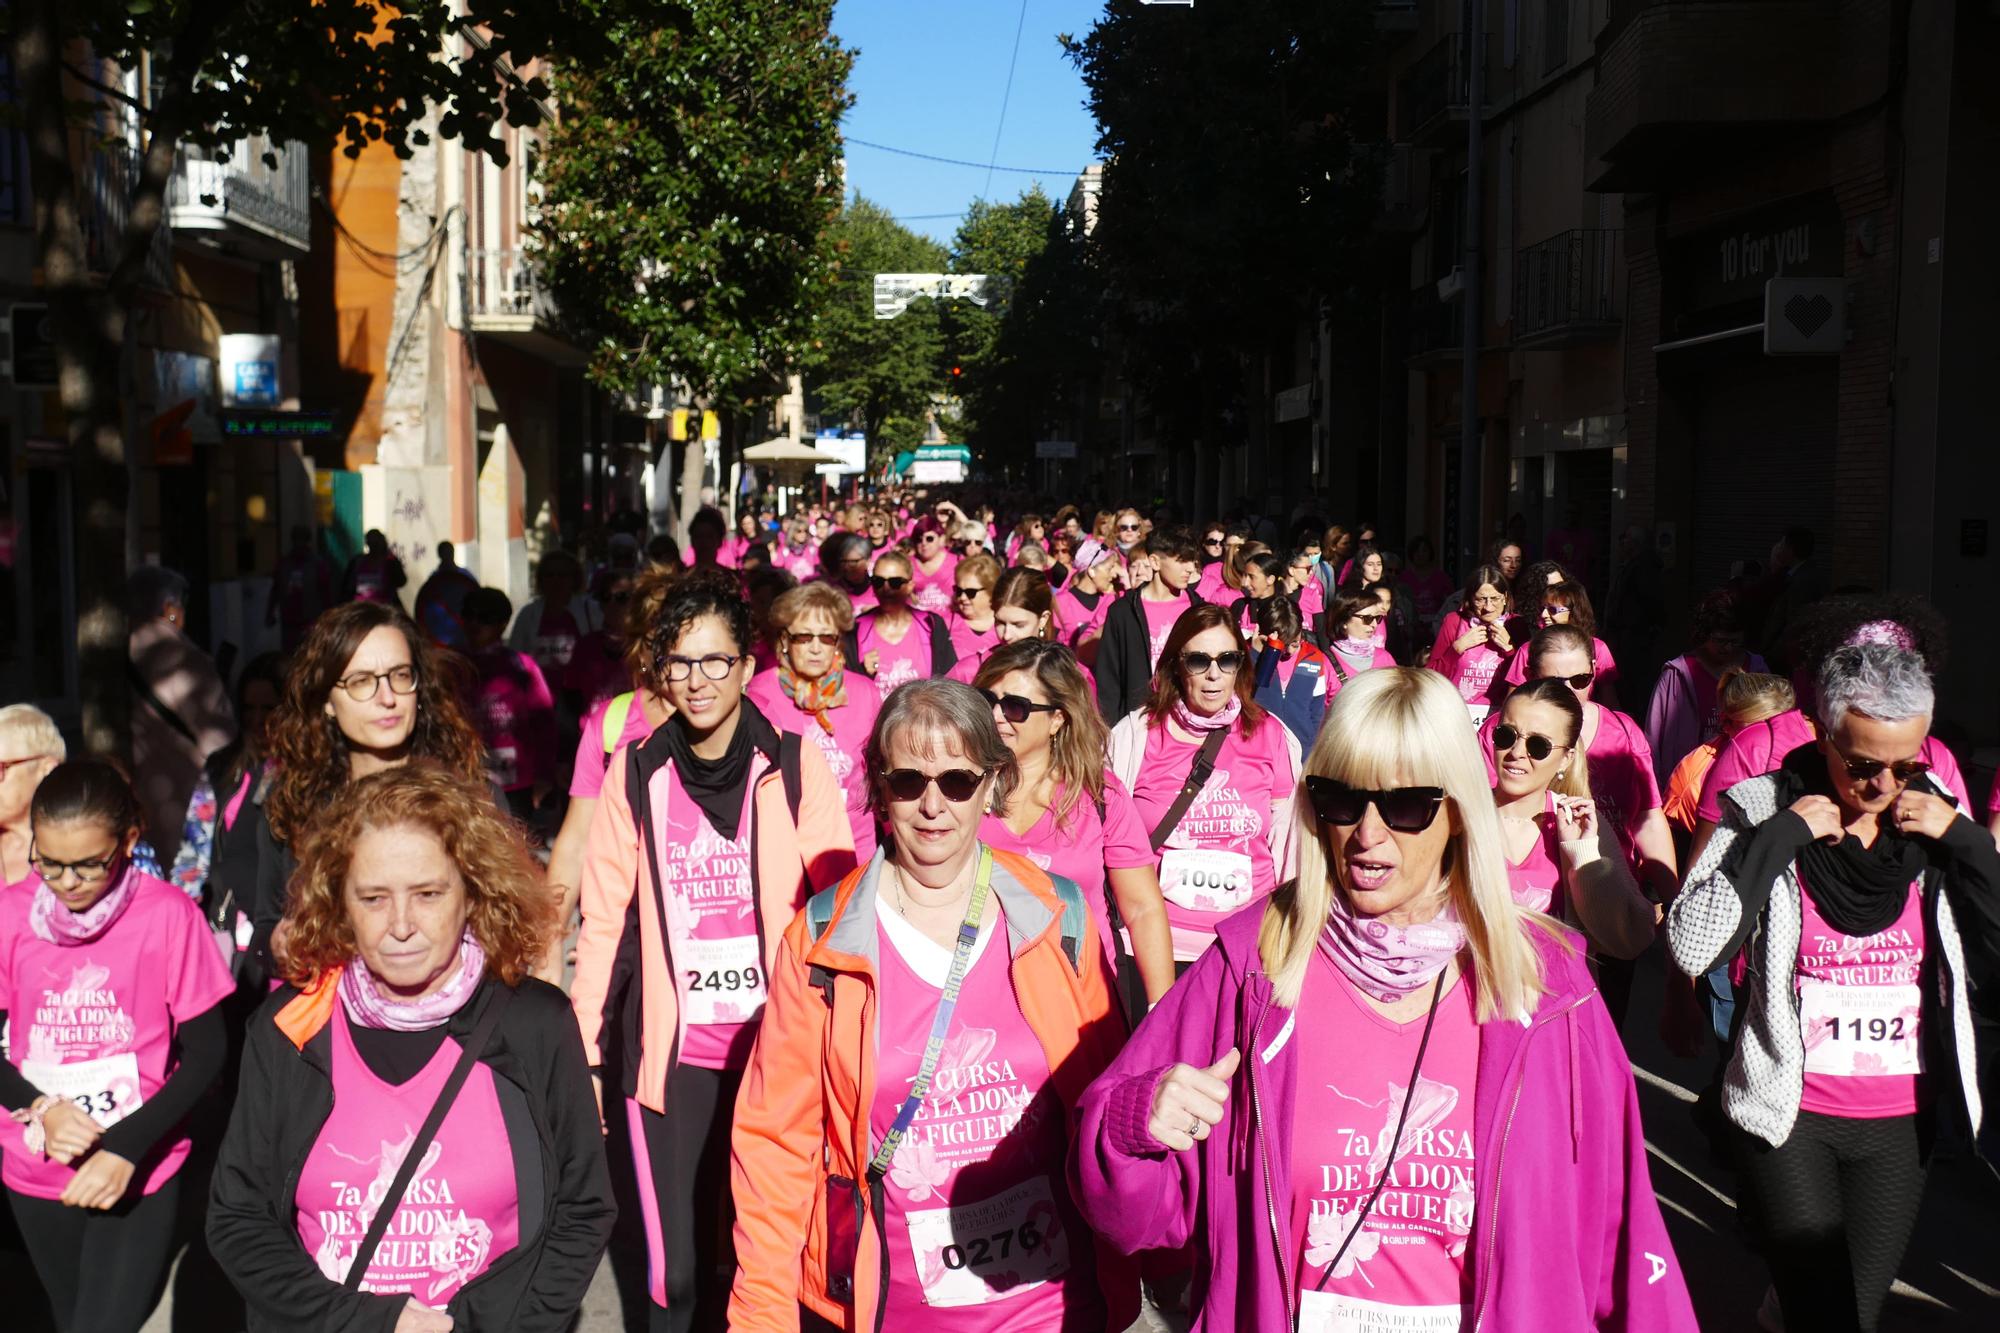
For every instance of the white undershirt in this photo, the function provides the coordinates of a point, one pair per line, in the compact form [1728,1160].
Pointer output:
[927,958]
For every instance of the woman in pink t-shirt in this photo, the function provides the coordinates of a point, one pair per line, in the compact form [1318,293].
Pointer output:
[932,568]
[893,642]
[1859,890]
[1568,604]
[416,917]
[972,625]
[1683,714]
[1023,608]
[1069,816]
[1430,588]
[811,692]
[1087,598]
[1231,843]
[1473,643]
[30,745]
[113,987]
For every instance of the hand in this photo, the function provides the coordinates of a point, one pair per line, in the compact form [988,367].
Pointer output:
[70,1132]
[416,1318]
[1189,1099]
[1471,639]
[1822,816]
[872,659]
[99,1183]
[1922,815]
[1683,1022]
[1496,634]
[1576,820]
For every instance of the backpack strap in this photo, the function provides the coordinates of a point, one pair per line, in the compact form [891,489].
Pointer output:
[615,715]
[788,773]
[1075,920]
[819,915]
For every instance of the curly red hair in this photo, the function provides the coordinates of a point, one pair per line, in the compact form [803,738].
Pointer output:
[510,910]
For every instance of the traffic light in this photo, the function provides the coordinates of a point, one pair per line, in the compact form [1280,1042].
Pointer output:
[956,372]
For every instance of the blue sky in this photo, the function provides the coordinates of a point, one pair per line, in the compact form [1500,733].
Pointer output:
[930,78]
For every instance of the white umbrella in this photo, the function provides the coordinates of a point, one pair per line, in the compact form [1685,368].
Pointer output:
[782,450]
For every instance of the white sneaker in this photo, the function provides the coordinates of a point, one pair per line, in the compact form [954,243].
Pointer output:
[1771,1315]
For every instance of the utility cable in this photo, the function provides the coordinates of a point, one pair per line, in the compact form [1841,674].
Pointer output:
[1006,96]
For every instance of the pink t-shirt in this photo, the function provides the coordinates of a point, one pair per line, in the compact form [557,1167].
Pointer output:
[1859,1011]
[711,926]
[982,1234]
[587,776]
[1473,675]
[896,663]
[1761,748]
[461,1210]
[1084,847]
[555,640]
[801,562]
[1601,661]
[1160,618]
[516,717]
[1406,1270]
[844,748]
[1218,858]
[1212,586]
[969,642]
[95,1021]
[1077,621]
[597,669]
[1536,879]
[1312,601]
[1380,658]
[932,591]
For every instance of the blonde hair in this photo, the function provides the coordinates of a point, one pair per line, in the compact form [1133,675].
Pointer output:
[34,729]
[793,603]
[1743,697]
[1404,726]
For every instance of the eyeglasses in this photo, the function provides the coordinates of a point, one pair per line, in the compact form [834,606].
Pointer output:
[929,537]
[1403,809]
[1578,683]
[1867,770]
[9,765]
[1197,664]
[1491,600]
[86,872]
[1375,618]
[1506,736]
[967,593]
[1211,541]
[888,584]
[1128,527]
[361,686]
[1017,709]
[957,785]
[830,638]
[714,666]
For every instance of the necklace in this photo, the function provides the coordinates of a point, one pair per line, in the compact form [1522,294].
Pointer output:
[903,902]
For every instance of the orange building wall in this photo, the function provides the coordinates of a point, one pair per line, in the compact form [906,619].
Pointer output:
[349,347]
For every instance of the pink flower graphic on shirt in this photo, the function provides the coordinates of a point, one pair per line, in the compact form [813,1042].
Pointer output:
[1327,1232]
[1867,1064]
[1458,1218]
[917,1170]
[968,1047]
[1433,1101]
[1818,1036]
[458,1251]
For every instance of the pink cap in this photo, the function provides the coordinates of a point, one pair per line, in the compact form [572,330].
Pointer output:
[1089,554]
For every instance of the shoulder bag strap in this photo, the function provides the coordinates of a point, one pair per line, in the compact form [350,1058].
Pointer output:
[157,704]
[1204,764]
[385,1212]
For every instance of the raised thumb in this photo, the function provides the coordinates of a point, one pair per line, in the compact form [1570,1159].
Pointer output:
[1226,1066]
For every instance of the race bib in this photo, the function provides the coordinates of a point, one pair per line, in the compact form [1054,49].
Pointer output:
[107,1089]
[1205,881]
[1859,1031]
[1327,1312]
[1479,712]
[992,1250]
[725,980]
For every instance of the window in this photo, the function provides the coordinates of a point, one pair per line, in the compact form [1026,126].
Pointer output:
[1555,35]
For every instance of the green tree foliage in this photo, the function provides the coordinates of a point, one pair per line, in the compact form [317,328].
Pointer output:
[689,187]
[1239,188]
[877,374]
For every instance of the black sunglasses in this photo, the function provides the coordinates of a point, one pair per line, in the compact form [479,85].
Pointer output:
[1867,770]
[1403,809]
[966,592]
[1506,735]
[957,785]
[1581,682]
[1017,709]
[887,584]
[1197,664]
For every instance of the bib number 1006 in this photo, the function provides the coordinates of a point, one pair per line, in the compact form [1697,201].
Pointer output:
[980,1251]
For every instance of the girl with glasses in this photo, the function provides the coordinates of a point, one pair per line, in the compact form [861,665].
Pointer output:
[114,988]
[973,627]
[900,1141]
[932,567]
[1326,1100]
[811,691]
[1128,530]
[1294,680]
[1562,859]
[1030,530]
[1302,588]
[1474,641]
[365,692]
[844,561]
[1863,895]
[794,551]
[1222,577]
[1354,622]
[1023,608]
[893,641]
[1086,599]
[716,827]
[1212,775]
[1069,816]
[1564,602]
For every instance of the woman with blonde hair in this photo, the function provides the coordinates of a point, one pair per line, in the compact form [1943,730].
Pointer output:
[30,746]
[414,1145]
[973,625]
[1332,1168]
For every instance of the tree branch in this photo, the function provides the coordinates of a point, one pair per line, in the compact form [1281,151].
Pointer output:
[143,111]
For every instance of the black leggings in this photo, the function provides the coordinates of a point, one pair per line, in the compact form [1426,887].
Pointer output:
[682,1160]
[102,1270]
[1832,1211]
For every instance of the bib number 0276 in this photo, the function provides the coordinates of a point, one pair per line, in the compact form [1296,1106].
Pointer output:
[980,1251]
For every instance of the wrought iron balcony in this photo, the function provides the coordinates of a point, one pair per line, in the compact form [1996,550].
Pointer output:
[1565,289]
[1435,91]
[243,204]
[506,300]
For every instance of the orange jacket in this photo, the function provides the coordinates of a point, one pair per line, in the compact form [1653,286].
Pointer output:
[788,861]
[802,1135]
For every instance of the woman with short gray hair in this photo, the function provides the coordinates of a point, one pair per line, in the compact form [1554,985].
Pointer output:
[30,745]
[1866,898]
[899,1143]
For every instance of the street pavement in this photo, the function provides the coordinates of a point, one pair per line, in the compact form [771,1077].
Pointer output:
[1950,1281]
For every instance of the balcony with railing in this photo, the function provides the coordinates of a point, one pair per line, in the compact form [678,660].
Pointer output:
[507,301]
[106,170]
[1435,91]
[1566,288]
[252,200]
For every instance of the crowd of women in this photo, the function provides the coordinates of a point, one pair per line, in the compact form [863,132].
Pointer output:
[985,926]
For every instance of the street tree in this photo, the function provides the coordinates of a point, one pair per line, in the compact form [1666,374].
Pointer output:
[323,73]
[688,189]
[878,374]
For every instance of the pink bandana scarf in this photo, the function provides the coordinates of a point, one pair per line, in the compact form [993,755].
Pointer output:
[1387,961]
[1189,720]
[56,924]
[368,1006]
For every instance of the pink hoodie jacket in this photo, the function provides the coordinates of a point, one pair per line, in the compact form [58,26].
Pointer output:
[1568,1234]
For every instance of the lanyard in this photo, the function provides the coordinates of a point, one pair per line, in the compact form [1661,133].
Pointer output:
[961,958]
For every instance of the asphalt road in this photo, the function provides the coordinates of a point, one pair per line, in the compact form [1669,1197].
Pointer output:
[1950,1278]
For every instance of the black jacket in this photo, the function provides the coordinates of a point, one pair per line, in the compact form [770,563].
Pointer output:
[1124,657]
[566,1209]
[943,656]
